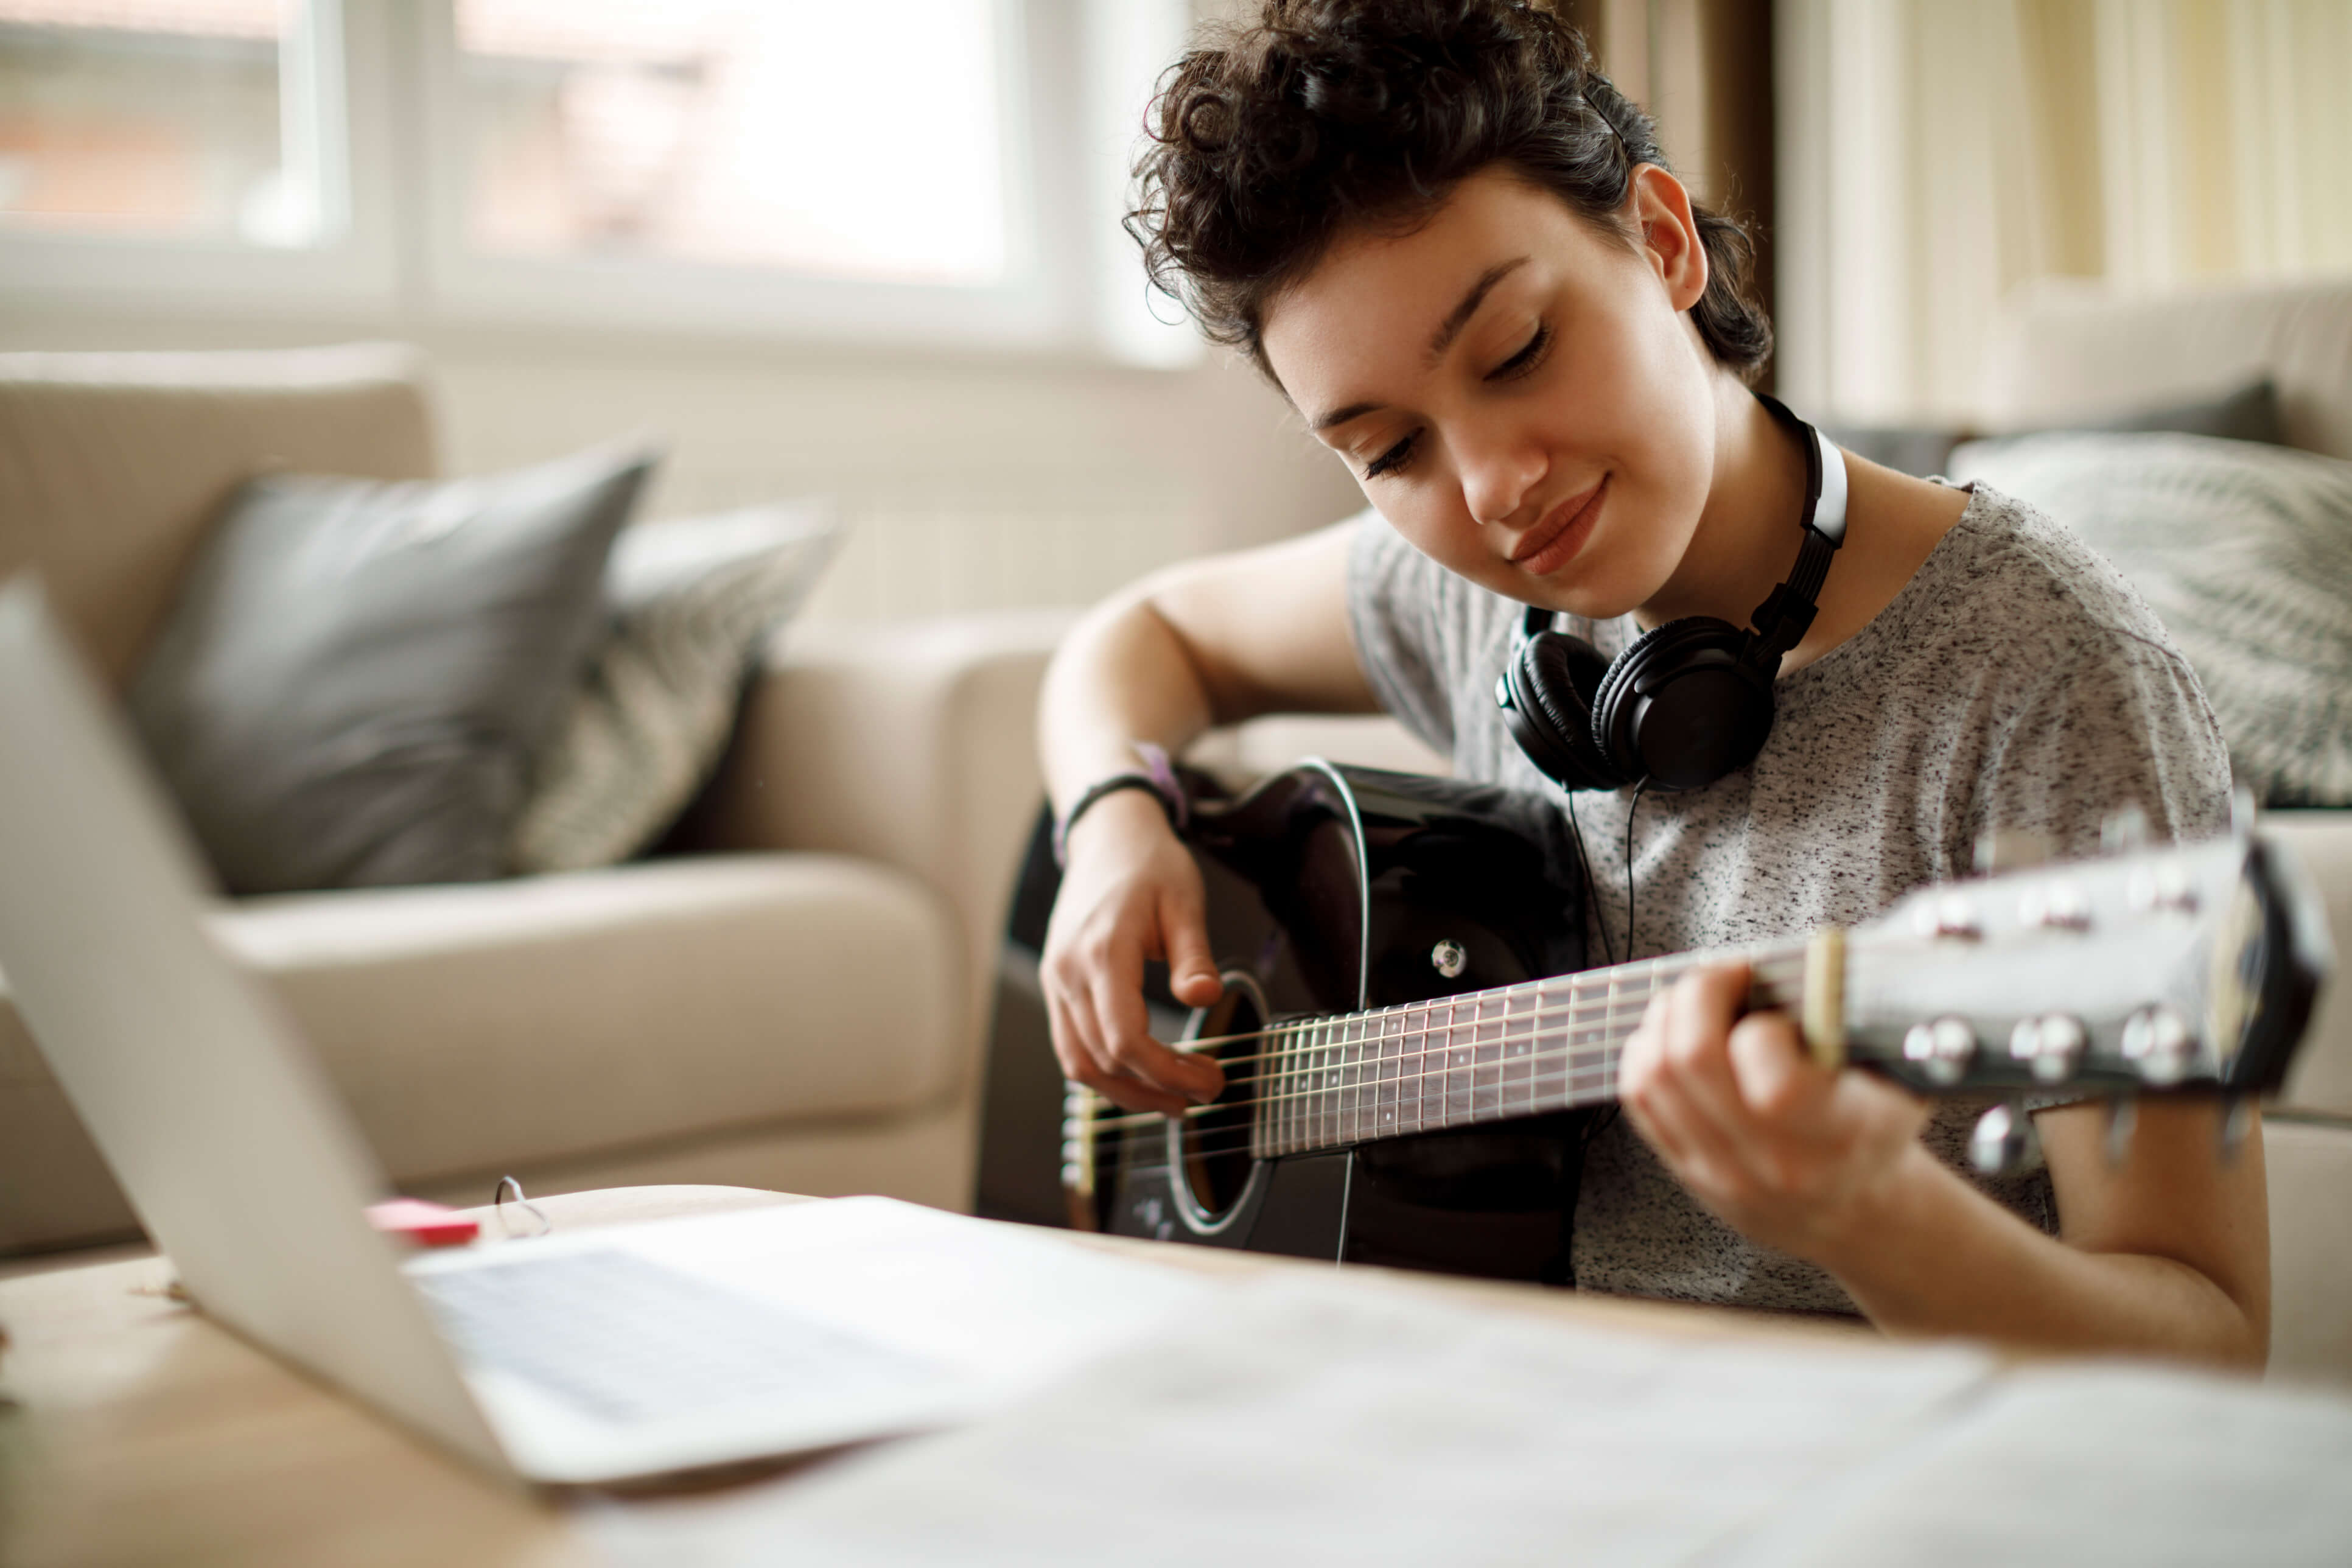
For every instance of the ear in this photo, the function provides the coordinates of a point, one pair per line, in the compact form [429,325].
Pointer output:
[1661,211]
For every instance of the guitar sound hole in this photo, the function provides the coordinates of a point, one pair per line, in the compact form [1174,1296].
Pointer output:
[1215,1140]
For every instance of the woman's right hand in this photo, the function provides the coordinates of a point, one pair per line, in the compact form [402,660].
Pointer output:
[1129,892]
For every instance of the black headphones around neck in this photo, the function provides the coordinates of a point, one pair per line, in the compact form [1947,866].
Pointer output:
[1690,701]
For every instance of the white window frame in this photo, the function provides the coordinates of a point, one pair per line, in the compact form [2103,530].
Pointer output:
[1030,307]
[400,261]
[337,62]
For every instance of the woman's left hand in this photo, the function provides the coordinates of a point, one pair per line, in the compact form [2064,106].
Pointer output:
[1787,1153]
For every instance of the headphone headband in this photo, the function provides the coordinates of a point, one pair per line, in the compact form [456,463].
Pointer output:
[1780,621]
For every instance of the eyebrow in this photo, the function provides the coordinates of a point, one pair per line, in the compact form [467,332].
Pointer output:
[1470,303]
[1447,331]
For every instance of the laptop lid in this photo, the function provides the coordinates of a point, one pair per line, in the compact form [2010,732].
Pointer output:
[236,1154]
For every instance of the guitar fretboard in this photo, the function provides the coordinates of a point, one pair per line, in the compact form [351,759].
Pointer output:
[1486,1056]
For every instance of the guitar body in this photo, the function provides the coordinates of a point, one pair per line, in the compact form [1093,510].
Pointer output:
[1331,889]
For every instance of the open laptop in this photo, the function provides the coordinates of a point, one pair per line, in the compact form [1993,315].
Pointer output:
[630,1352]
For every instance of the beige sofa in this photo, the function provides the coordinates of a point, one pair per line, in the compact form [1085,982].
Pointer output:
[2065,351]
[798,1004]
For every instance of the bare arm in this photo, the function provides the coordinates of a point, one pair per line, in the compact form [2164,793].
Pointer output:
[1210,642]
[2167,1254]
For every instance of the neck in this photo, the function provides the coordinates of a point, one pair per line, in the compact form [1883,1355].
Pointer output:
[1517,1050]
[1747,532]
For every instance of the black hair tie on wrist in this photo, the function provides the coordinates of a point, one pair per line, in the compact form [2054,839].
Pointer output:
[1160,782]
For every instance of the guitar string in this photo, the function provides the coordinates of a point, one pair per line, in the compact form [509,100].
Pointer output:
[1772,970]
[1335,1056]
[1475,1102]
[1546,1070]
[1335,1121]
[1773,967]
[1598,1093]
[1297,1062]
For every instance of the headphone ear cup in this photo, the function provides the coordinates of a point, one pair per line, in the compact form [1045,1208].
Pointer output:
[1680,708]
[1552,679]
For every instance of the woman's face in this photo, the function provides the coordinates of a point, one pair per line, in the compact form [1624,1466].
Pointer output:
[1520,395]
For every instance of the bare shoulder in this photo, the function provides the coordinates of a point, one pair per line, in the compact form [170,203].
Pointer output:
[1267,628]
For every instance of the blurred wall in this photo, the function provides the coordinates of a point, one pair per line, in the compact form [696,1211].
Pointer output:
[969,481]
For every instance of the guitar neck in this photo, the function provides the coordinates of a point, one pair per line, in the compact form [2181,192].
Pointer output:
[1486,1056]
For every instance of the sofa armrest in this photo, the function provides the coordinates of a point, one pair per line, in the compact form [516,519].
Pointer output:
[913,743]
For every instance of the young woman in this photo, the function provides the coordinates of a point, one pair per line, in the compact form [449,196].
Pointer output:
[1461,254]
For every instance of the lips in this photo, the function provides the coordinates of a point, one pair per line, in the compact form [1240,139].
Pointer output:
[1554,542]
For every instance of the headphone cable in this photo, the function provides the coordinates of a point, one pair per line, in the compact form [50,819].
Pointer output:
[1600,921]
[1630,810]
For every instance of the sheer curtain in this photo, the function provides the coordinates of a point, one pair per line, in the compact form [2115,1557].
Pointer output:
[1935,155]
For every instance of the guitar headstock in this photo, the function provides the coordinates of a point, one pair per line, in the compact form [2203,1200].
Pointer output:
[2188,967]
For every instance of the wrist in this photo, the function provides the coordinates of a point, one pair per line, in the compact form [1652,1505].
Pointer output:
[1157,780]
[1853,1232]
[1130,816]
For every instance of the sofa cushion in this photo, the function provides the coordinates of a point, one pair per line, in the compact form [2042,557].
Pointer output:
[354,678]
[475,1026]
[691,604]
[2246,553]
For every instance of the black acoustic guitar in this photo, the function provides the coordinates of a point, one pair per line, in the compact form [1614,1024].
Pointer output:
[1415,1050]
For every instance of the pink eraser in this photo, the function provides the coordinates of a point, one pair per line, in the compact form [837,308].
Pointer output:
[427,1225]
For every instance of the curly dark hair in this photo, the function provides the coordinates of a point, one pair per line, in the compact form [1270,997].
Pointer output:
[1270,140]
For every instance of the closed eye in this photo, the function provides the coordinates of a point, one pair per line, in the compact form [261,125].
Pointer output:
[1526,360]
[1395,457]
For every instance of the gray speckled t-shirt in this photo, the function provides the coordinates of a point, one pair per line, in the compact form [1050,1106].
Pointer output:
[2016,681]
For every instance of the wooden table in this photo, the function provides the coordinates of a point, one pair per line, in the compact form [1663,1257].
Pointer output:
[140,1432]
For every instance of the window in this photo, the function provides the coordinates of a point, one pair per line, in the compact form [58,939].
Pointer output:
[186,131]
[935,170]
[726,131]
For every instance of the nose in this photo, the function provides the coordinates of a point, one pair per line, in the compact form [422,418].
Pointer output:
[1500,469]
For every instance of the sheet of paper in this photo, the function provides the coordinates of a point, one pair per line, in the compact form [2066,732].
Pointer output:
[2096,1464]
[1345,1424]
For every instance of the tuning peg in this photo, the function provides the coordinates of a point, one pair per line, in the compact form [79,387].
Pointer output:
[2000,849]
[2003,1143]
[2122,1116]
[2124,831]
[2237,1120]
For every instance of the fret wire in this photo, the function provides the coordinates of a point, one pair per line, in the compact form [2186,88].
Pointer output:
[1390,1075]
[1486,1057]
[1455,1054]
[1344,1102]
[1295,1081]
[1356,1123]
[1324,1125]
[1284,1107]
[1368,1078]
[1327,1118]
[1271,1082]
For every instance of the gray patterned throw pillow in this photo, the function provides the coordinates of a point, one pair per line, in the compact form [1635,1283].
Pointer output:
[2245,552]
[351,685]
[690,603]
